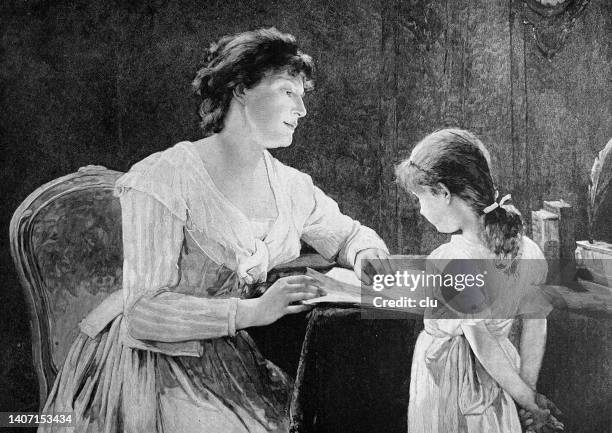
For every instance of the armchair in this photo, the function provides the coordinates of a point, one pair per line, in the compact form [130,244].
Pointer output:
[66,245]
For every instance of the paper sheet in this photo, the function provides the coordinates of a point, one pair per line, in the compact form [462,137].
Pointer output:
[341,285]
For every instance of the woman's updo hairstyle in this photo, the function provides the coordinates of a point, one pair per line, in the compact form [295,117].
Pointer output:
[243,60]
[458,159]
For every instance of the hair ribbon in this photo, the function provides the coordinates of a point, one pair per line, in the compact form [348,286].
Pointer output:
[495,204]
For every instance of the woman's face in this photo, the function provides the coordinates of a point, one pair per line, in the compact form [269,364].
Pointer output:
[273,107]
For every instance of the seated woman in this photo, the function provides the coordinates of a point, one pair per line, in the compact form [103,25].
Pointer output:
[466,375]
[203,223]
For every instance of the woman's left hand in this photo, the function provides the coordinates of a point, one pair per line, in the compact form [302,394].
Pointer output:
[370,262]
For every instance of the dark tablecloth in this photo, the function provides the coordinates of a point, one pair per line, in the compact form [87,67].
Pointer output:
[354,373]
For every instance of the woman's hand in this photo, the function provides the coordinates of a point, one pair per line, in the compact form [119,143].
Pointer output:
[277,301]
[370,262]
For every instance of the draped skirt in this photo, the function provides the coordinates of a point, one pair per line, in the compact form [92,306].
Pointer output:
[450,392]
[112,388]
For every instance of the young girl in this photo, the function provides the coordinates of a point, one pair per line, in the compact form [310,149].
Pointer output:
[466,375]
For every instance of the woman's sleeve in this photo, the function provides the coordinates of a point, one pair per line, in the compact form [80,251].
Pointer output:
[152,241]
[335,235]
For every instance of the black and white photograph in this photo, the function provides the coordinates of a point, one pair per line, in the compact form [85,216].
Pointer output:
[318,216]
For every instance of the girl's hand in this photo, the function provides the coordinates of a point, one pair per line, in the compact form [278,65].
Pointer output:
[534,419]
[370,262]
[532,423]
[277,301]
[540,423]
[543,402]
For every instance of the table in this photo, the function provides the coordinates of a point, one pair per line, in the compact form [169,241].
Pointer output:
[353,373]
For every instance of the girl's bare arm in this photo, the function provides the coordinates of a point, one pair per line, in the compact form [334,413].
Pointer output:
[533,343]
[492,357]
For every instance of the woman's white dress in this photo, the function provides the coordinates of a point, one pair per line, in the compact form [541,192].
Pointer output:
[163,354]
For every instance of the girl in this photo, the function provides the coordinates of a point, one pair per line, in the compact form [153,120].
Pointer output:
[466,374]
[203,223]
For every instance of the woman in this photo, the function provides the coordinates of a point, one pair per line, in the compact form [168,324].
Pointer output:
[203,223]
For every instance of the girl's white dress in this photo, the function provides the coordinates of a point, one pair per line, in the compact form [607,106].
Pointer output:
[450,391]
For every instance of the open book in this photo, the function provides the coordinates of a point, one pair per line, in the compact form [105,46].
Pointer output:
[343,288]
[341,285]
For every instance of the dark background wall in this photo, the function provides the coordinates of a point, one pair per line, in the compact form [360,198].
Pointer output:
[107,83]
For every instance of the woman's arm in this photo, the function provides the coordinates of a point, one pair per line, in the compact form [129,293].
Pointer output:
[492,357]
[152,241]
[532,346]
[153,237]
[333,234]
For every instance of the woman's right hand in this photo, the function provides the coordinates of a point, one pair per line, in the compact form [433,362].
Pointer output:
[277,301]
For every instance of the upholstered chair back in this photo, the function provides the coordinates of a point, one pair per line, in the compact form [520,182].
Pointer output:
[66,245]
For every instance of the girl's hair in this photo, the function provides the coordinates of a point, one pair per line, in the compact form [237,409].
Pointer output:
[242,60]
[459,160]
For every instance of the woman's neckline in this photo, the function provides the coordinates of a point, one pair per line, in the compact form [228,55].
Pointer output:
[191,147]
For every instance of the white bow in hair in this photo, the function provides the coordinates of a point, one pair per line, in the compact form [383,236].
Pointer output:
[495,204]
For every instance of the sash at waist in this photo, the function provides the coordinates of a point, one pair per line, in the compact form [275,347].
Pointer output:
[465,386]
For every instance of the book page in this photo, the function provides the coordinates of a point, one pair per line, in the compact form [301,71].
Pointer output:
[341,285]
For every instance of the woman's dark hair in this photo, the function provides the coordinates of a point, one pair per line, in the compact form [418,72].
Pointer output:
[242,60]
[458,160]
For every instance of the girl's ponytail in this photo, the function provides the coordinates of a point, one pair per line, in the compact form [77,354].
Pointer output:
[503,229]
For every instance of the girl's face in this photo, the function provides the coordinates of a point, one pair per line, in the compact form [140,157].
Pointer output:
[438,210]
[273,107]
